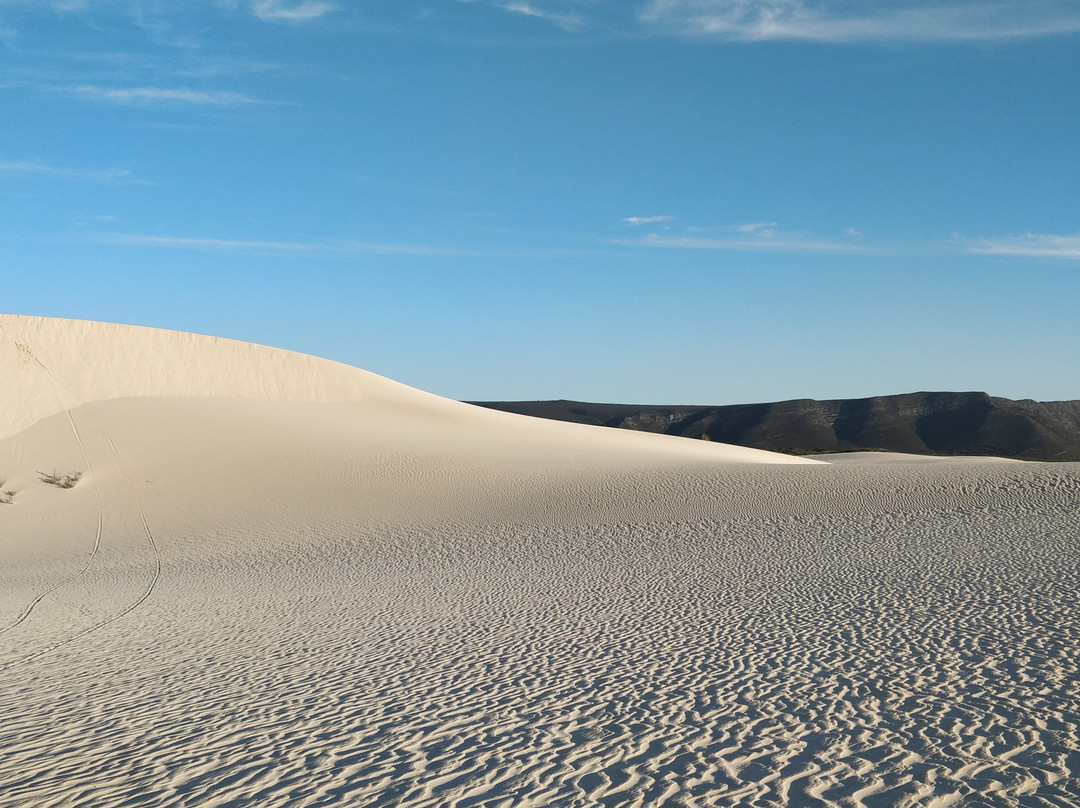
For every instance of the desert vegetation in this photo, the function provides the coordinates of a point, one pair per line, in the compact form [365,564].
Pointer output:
[61,480]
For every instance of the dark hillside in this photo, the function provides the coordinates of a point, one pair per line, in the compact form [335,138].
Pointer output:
[920,423]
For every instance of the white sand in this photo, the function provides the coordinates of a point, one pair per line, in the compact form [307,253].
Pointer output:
[285,582]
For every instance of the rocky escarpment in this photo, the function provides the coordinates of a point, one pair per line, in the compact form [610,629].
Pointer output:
[920,423]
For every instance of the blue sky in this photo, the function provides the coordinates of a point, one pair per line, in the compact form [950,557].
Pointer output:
[654,201]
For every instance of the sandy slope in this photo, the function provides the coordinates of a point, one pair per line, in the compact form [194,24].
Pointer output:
[278,593]
[51,365]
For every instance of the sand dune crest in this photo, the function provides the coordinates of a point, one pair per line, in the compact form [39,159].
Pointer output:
[54,364]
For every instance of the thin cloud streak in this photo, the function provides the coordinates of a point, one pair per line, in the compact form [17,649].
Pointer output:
[276,10]
[161,95]
[332,248]
[773,243]
[35,168]
[283,247]
[640,220]
[845,21]
[1030,245]
[568,22]
[762,228]
[754,237]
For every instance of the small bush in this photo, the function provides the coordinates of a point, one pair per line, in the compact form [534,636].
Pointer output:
[61,480]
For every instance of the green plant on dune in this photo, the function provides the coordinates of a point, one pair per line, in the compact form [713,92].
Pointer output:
[6,496]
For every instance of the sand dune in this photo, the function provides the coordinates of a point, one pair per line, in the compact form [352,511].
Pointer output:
[286,582]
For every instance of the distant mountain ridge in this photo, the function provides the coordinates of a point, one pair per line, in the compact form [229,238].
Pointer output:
[920,423]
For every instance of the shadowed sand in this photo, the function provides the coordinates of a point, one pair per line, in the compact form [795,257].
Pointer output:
[285,582]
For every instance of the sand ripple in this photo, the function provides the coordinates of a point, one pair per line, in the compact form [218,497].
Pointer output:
[858,636]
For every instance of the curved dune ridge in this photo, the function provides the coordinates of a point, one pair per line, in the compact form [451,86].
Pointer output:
[233,575]
[52,364]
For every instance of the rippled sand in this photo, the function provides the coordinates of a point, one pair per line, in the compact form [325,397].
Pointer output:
[267,592]
[430,630]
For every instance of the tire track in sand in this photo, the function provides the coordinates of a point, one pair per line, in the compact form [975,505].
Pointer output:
[65,398]
[133,606]
[97,535]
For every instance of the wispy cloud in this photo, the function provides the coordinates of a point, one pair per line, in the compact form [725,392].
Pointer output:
[761,228]
[727,20]
[1032,245]
[640,220]
[332,248]
[280,11]
[860,21]
[328,248]
[748,245]
[163,95]
[566,21]
[34,168]
[752,237]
